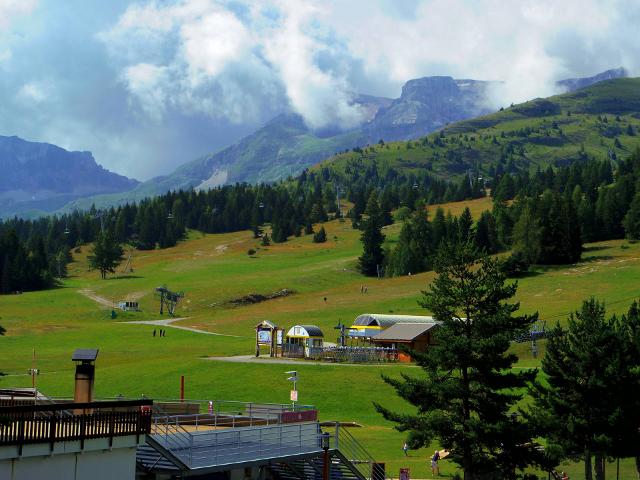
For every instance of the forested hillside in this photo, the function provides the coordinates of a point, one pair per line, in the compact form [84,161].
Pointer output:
[566,161]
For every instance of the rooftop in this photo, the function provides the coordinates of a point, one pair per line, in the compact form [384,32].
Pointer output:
[404,331]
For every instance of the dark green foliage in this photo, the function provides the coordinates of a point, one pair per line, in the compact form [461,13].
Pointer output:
[467,389]
[515,265]
[371,261]
[320,237]
[23,266]
[582,406]
[631,220]
[106,254]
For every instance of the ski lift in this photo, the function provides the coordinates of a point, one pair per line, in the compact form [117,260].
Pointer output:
[170,216]
[261,205]
[67,231]
[415,185]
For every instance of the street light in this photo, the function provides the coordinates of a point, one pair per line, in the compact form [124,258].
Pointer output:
[324,443]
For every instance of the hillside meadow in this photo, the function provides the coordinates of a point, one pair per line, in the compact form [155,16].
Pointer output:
[214,269]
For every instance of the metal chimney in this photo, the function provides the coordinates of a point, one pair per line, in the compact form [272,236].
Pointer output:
[85,374]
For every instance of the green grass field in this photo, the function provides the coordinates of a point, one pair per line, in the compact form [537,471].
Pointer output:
[212,269]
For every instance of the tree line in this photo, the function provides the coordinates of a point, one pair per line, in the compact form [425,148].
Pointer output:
[35,252]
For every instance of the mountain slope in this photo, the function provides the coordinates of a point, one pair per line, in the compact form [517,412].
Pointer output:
[41,176]
[600,121]
[286,146]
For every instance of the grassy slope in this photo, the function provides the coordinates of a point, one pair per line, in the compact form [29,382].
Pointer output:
[214,268]
[471,143]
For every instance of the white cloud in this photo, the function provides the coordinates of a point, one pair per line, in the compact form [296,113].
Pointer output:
[146,83]
[10,9]
[33,93]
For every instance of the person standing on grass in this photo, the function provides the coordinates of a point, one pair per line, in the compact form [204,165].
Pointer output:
[405,449]
[435,469]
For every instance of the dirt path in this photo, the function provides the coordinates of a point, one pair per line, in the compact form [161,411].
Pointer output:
[168,322]
[96,298]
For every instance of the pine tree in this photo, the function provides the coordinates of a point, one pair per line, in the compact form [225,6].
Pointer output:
[576,407]
[372,238]
[631,220]
[526,236]
[465,226]
[468,389]
[320,237]
[106,254]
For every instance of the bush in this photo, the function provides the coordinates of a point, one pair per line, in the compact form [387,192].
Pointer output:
[266,241]
[515,265]
[320,237]
[251,252]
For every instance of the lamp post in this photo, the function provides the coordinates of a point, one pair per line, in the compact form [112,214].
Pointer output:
[324,443]
[294,393]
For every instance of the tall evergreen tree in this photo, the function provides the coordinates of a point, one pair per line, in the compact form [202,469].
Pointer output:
[527,239]
[372,257]
[577,405]
[468,388]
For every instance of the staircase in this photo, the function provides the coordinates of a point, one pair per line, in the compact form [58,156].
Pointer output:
[348,460]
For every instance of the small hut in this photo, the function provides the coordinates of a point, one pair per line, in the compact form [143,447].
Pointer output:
[416,336]
[301,338]
[268,334]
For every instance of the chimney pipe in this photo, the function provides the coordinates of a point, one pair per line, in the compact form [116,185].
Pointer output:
[85,374]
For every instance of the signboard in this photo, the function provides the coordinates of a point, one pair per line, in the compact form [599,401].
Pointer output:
[279,337]
[294,395]
[404,474]
[264,336]
[303,416]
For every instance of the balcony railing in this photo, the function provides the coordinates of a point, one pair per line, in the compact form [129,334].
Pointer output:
[30,424]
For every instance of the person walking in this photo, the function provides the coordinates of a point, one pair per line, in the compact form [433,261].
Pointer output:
[435,469]
[405,449]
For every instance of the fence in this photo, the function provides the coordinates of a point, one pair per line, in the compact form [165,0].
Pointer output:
[354,354]
[27,424]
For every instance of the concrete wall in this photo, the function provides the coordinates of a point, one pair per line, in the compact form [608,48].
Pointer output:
[95,462]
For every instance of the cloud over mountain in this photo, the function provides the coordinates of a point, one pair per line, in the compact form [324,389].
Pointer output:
[148,84]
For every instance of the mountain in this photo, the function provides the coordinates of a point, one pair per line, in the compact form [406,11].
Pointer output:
[286,146]
[572,84]
[41,176]
[601,121]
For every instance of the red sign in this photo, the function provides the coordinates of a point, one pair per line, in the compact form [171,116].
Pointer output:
[303,416]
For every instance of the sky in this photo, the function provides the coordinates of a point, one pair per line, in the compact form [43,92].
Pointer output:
[149,85]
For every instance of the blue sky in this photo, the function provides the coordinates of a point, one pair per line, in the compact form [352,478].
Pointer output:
[149,85]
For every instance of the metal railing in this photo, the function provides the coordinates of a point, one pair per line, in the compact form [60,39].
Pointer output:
[224,447]
[354,354]
[52,422]
[354,452]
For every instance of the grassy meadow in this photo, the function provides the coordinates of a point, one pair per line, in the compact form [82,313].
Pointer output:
[213,269]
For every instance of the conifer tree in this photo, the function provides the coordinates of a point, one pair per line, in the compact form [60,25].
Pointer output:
[372,238]
[577,407]
[526,236]
[467,390]
[321,236]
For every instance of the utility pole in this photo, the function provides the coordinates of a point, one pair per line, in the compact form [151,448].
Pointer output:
[33,371]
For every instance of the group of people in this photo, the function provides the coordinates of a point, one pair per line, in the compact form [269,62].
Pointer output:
[435,469]
[161,333]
